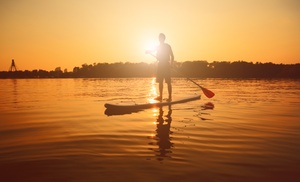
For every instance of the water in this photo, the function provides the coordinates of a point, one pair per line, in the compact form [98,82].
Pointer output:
[57,130]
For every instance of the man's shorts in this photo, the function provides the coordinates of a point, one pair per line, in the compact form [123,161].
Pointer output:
[163,73]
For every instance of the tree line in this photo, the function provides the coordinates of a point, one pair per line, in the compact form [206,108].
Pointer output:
[196,69]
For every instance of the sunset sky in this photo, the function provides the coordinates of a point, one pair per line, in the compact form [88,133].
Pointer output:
[45,34]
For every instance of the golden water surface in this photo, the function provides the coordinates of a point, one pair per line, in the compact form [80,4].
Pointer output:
[57,130]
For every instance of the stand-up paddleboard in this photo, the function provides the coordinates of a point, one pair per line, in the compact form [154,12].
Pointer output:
[138,107]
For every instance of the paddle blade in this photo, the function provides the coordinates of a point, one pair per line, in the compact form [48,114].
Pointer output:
[207,92]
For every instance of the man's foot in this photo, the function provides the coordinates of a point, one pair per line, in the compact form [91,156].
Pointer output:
[159,98]
[169,99]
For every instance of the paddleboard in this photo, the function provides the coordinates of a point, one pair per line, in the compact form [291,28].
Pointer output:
[112,106]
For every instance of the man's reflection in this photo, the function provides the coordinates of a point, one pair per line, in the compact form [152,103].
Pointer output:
[163,132]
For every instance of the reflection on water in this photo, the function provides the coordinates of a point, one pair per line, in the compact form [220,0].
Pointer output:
[15,93]
[57,130]
[207,106]
[162,146]
[153,92]
[123,111]
[150,98]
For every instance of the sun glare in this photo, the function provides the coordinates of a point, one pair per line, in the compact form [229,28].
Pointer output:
[150,45]
[152,92]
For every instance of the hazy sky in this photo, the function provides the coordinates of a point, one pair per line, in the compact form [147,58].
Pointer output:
[45,34]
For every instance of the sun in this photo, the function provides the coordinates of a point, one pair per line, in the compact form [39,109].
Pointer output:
[150,45]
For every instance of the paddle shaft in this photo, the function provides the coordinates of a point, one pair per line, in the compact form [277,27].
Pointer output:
[188,78]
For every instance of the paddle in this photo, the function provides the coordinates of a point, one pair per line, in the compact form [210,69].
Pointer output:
[206,92]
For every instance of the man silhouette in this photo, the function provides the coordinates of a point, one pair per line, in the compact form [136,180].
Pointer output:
[165,57]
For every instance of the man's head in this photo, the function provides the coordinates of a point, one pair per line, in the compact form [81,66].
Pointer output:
[162,38]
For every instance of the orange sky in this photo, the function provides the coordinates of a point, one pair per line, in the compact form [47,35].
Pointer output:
[67,33]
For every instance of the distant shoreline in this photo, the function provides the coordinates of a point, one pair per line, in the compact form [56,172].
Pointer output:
[195,69]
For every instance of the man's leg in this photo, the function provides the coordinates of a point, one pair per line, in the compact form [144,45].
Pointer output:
[168,81]
[161,86]
[170,90]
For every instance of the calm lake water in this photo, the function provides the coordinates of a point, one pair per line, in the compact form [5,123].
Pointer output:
[57,130]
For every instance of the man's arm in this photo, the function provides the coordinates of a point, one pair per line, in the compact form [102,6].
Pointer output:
[151,51]
[171,55]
